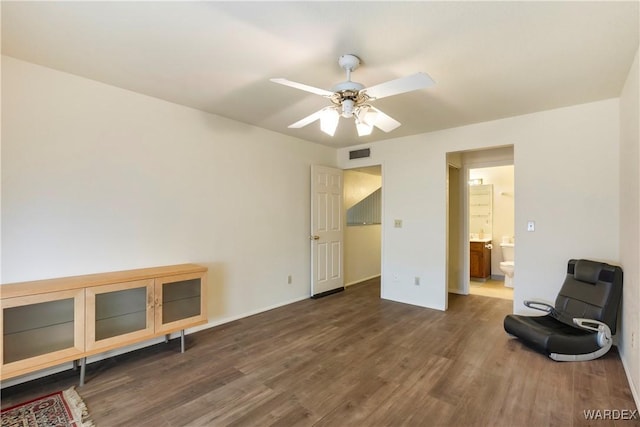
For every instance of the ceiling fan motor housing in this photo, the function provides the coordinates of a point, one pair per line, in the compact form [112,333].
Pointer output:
[348,91]
[349,62]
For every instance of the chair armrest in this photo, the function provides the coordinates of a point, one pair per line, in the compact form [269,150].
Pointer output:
[603,330]
[540,305]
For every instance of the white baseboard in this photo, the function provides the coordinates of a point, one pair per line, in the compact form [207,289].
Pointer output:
[229,319]
[364,279]
[635,392]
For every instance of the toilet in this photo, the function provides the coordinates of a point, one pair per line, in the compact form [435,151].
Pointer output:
[507,265]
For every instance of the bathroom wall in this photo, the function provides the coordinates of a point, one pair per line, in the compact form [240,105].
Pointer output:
[501,177]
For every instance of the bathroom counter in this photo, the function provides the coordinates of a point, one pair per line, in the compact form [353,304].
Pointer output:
[483,240]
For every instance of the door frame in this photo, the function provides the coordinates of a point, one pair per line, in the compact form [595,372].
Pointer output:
[486,156]
[465,212]
[363,163]
[453,191]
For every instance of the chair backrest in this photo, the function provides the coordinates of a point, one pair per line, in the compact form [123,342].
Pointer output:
[591,290]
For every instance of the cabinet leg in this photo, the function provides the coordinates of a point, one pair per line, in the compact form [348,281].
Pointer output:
[166,338]
[83,365]
[182,341]
[75,365]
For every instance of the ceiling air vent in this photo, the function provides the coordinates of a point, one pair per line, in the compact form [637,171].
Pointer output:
[359,154]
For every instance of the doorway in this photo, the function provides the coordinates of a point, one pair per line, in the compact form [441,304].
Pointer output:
[363,224]
[463,168]
[490,219]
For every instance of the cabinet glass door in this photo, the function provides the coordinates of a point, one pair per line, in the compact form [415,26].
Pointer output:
[41,329]
[180,300]
[118,313]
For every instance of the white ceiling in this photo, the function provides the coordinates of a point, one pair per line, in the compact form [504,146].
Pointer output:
[489,59]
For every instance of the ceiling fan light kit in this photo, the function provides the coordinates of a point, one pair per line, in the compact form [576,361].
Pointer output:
[352,99]
[329,118]
[363,128]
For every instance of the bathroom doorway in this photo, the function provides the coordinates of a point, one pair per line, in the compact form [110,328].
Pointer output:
[479,249]
[490,216]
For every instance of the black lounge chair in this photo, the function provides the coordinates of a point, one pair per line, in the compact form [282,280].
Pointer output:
[583,321]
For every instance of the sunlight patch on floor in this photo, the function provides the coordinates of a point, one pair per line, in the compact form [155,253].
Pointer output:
[491,288]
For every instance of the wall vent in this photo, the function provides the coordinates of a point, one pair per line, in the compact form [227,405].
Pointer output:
[359,154]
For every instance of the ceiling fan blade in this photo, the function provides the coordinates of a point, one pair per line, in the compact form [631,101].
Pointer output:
[384,122]
[301,86]
[307,120]
[398,86]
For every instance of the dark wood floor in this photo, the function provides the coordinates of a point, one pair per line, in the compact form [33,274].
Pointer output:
[348,359]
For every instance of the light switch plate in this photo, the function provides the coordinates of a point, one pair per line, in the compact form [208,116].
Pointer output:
[531,226]
[397,223]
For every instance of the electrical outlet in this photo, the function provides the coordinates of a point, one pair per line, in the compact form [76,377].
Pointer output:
[289,279]
[416,281]
[531,226]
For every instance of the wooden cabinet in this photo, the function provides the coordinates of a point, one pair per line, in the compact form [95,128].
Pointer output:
[49,322]
[480,260]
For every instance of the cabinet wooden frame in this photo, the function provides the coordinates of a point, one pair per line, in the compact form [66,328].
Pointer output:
[200,318]
[119,340]
[23,366]
[85,291]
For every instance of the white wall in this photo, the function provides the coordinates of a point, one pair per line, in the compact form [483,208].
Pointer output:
[361,242]
[566,163]
[630,227]
[362,245]
[96,178]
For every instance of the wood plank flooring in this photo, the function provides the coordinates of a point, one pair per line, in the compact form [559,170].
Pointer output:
[349,359]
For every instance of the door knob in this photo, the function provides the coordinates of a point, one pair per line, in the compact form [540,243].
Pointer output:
[314,237]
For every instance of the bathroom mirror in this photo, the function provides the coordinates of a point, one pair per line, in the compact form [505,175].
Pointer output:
[480,210]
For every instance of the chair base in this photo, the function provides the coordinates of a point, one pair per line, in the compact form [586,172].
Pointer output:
[580,357]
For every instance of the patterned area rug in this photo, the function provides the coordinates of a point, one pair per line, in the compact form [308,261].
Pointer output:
[60,409]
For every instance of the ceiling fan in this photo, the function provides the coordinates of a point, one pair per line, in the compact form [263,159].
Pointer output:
[352,99]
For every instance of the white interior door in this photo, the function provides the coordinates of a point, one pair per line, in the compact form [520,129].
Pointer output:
[326,230]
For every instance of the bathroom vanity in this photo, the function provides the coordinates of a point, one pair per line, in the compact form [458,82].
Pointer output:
[480,259]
